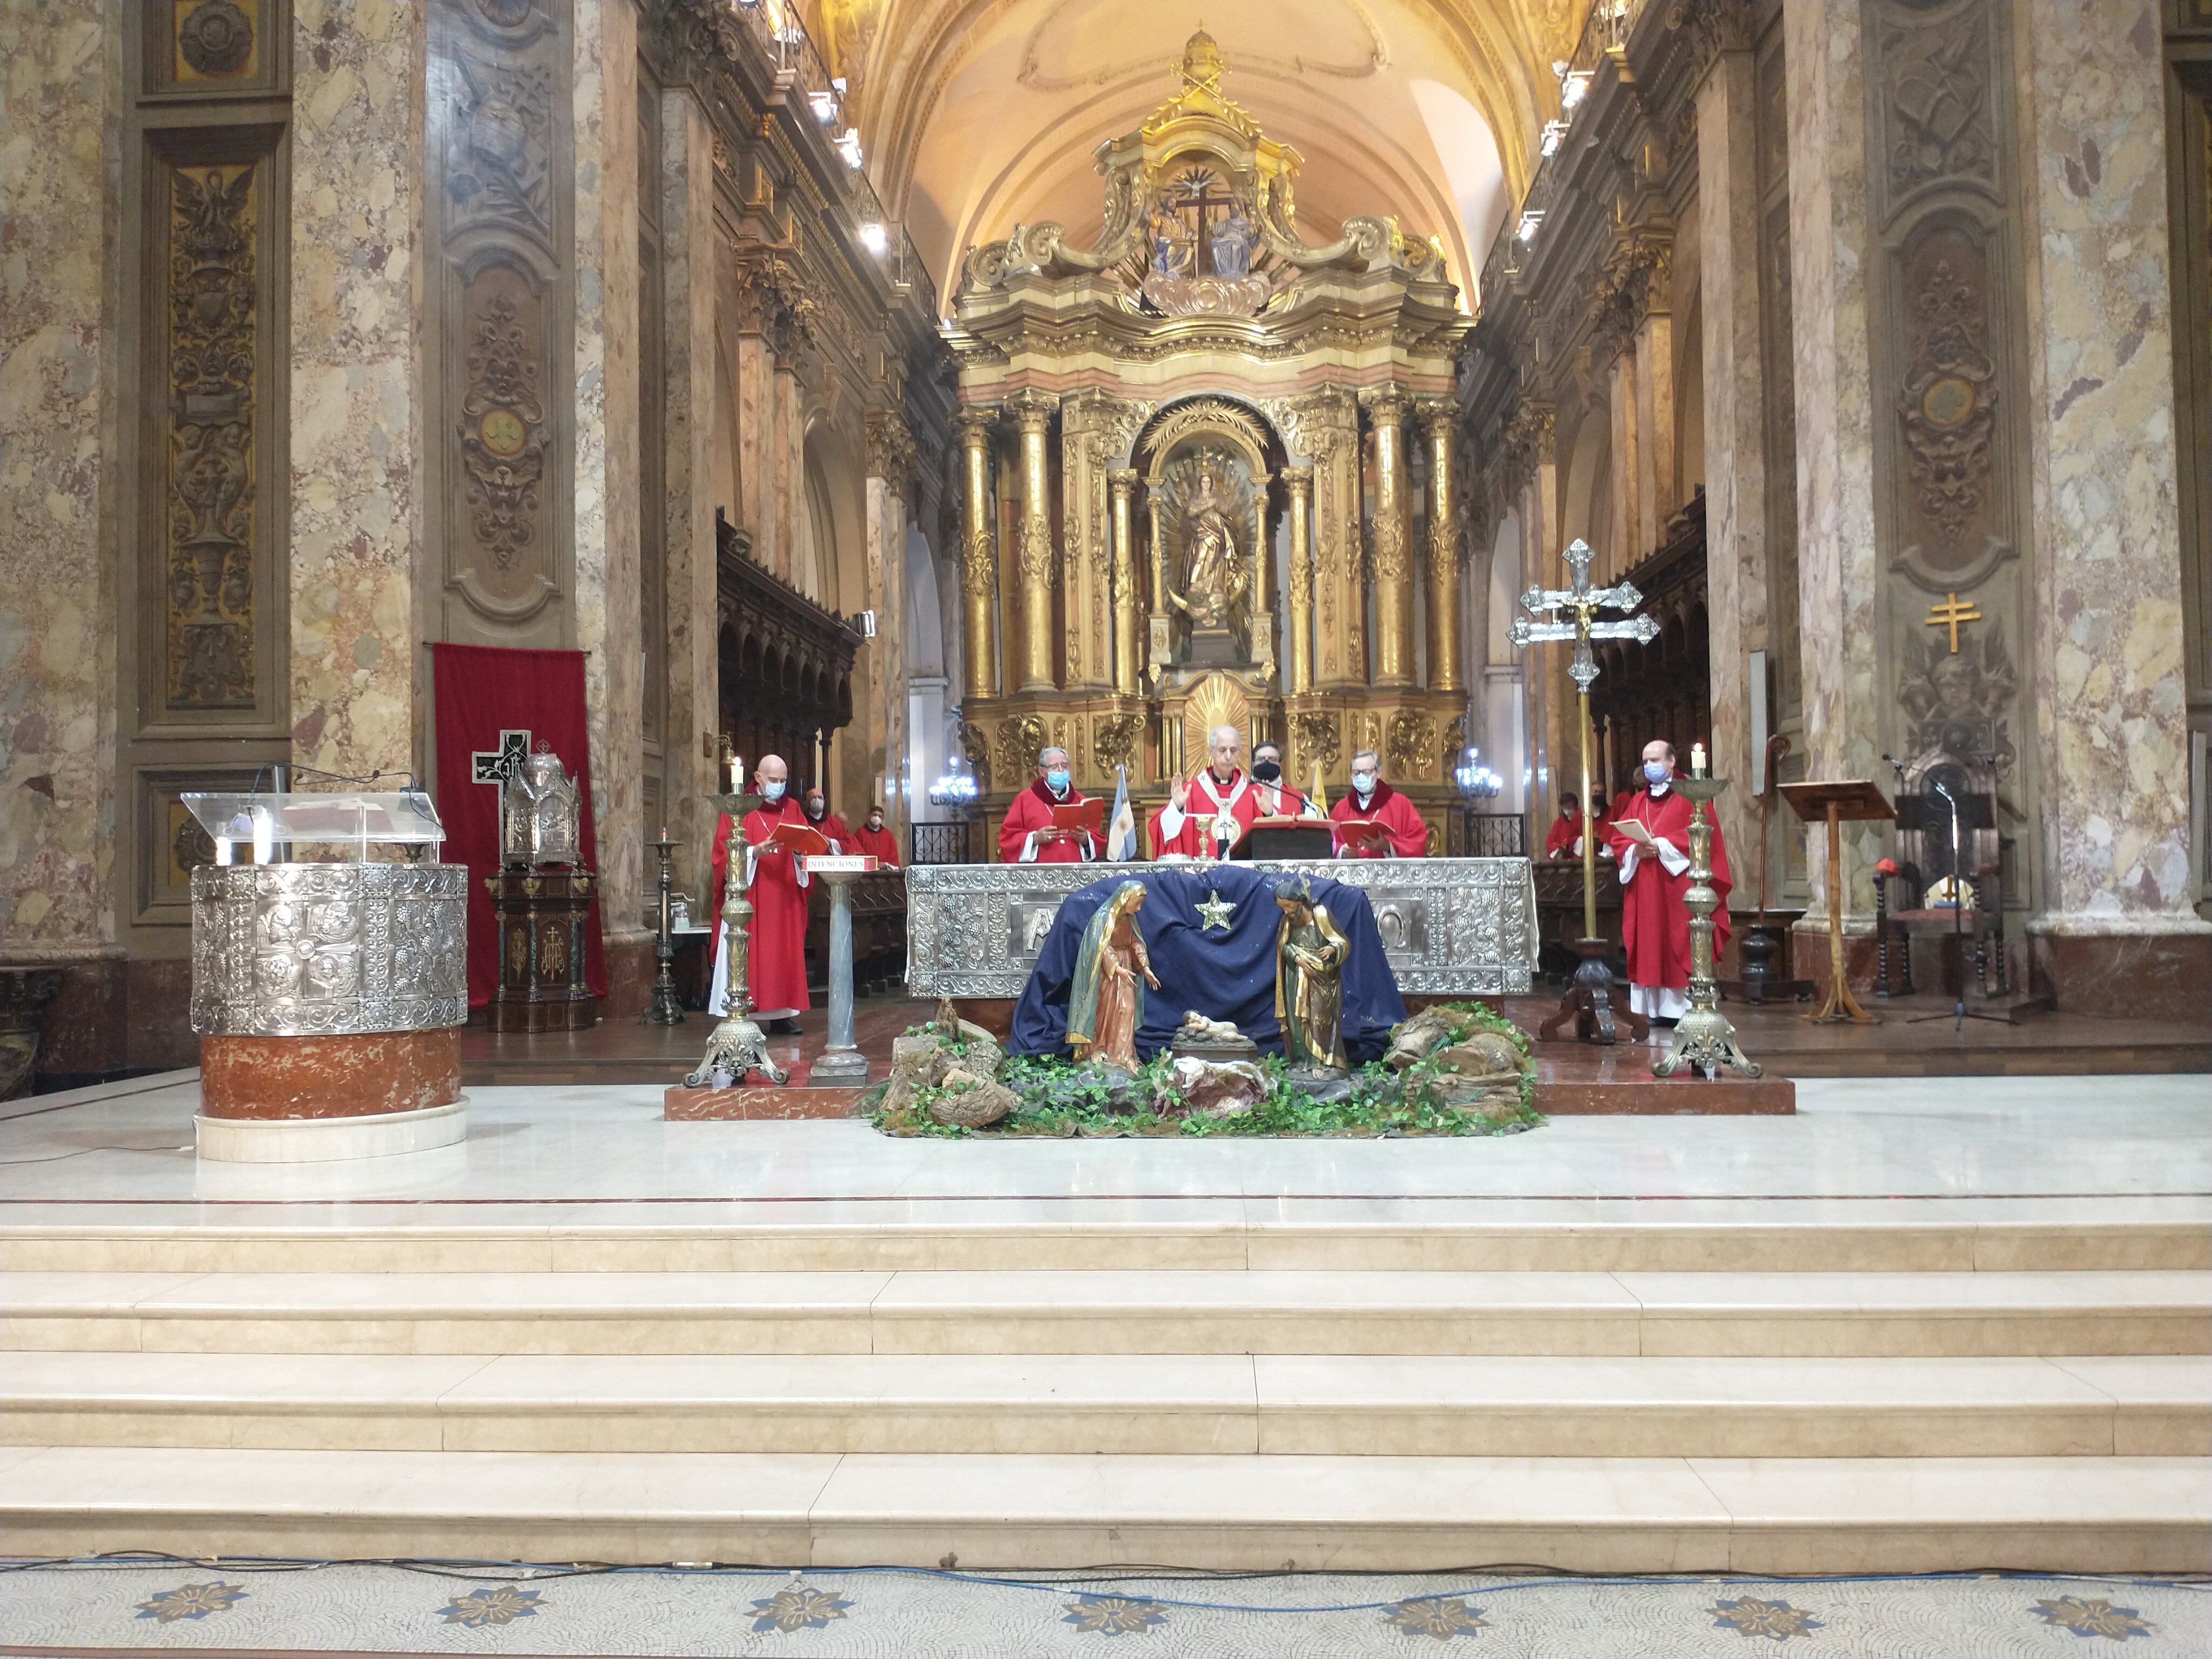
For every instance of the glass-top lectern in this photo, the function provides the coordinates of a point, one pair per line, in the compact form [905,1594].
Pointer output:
[247,827]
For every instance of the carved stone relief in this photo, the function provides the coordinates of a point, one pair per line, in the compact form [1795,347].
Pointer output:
[216,40]
[214,244]
[499,80]
[1113,741]
[1411,747]
[1937,120]
[1959,701]
[1949,395]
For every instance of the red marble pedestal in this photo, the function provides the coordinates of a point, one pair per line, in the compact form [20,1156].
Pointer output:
[329,1077]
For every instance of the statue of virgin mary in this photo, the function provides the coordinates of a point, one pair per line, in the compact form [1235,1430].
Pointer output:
[1106,1006]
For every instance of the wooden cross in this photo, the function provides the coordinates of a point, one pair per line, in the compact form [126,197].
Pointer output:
[1198,204]
[1950,614]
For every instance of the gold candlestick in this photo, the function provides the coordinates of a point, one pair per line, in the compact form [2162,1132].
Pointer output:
[1702,1037]
[737,1047]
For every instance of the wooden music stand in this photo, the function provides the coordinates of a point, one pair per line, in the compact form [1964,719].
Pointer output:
[1859,800]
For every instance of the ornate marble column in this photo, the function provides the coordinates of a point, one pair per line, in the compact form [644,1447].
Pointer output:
[692,712]
[605,505]
[1439,419]
[1839,562]
[1128,610]
[1735,410]
[1299,482]
[357,416]
[1393,551]
[2116,934]
[1033,412]
[753,305]
[1630,539]
[979,550]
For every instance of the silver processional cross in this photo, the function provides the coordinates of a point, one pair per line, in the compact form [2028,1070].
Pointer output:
[1571,613]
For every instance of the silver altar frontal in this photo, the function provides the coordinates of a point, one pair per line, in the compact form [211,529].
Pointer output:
[288,949]
[1450,927]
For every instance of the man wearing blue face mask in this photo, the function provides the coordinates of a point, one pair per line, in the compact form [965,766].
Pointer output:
[775,961]
[1029,833]
[1650,834]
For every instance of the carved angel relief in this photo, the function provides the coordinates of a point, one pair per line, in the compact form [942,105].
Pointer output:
[1958,701]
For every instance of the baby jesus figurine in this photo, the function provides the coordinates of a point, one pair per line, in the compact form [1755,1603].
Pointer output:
[1107,1005]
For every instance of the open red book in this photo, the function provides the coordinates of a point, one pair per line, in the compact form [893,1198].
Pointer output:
[801,838]
[1081,815]
[1362,838]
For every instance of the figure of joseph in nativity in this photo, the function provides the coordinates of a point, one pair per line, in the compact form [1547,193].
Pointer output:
[1310,956]
[1107,1005]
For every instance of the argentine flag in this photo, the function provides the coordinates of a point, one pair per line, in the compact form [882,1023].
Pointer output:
[1121,827]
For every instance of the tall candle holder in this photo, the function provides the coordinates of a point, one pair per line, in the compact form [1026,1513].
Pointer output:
[1702,1037]
[737,1046]
[665,1008]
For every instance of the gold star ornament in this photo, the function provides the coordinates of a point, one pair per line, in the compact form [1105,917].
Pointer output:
[1214,910]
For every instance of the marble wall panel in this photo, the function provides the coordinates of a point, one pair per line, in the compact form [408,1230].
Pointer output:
[58,666]
[356,397]
[2108,672]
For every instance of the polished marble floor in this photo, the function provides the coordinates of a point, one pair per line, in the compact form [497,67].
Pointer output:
[359,1608]
[2015,1149]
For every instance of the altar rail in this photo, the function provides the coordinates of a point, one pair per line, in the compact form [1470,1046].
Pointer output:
[1450,926]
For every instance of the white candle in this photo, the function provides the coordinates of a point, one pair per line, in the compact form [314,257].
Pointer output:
[264,834]
[1697,760]
[736,773]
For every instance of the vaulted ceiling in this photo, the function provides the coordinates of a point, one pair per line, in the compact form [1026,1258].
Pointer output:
[977,115]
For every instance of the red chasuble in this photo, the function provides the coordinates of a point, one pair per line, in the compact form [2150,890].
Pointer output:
[776,963]
[1193,834]
[1408,836]
[880,845]
[1566,832]
[1655,923]
[1030,812]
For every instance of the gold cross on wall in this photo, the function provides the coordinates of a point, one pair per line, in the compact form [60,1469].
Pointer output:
[1950,614]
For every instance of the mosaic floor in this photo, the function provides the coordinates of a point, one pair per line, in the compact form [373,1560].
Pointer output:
[293,1609]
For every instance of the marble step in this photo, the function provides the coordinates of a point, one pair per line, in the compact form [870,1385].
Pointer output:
[1609,1515]
[1502,1235]
[1292,1404]
[1052,1311]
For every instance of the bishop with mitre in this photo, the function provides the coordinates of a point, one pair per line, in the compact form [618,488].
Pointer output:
[1650,834]
[1031,833]
[1402,834]
[1208,814]
[776,961]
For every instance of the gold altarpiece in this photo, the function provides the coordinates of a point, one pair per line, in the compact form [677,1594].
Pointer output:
[1188,475]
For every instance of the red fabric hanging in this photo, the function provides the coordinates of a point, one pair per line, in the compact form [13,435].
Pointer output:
[482,693]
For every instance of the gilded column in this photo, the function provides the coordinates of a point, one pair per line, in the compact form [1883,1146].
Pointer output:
[1299,482]
[1033,413]
[1439,420]
[1393,537]
[1128,613]
[979,552]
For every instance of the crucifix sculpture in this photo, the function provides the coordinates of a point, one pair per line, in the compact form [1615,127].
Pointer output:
[1571,613]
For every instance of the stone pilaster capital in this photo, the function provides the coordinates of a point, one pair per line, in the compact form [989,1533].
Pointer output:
[1710,27]
[1123,478]
[890,446]
[1298,479]
[976,421]
[1436,414]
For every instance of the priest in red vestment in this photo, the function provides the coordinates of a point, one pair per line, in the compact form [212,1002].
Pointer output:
[1026,834]
[776,961]
[1566,839]
[1209,814]
[1655,923]
[872,840]
[1372,800]
[819,815]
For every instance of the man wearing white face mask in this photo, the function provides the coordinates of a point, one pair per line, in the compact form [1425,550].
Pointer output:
[1650,834]
[1371,800]
[776,960]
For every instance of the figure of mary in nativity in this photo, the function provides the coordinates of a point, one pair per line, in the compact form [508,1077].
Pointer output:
[1309,957]
[1107,1003]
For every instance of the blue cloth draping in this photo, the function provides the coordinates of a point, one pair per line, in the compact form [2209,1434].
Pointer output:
[1224,975]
